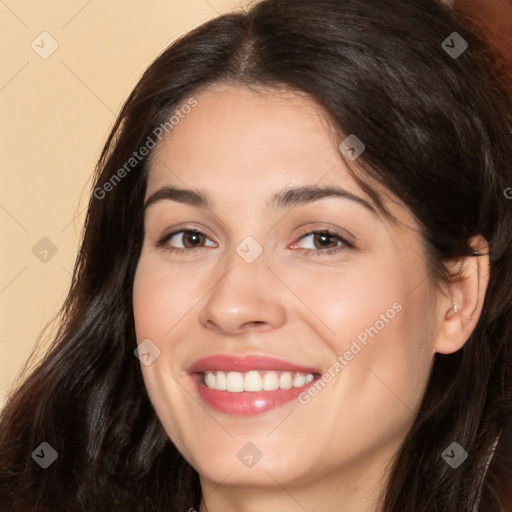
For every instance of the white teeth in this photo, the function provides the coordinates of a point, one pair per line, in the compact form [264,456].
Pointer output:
[254,380]
[234,382]
[220,383]
[286,380]
[210,380]
[299,380]
[270,381]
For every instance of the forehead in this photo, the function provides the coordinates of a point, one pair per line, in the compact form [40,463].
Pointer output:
[235,132]
[243,144]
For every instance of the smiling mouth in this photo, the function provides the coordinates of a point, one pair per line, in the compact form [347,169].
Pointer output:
[249,385]
[254,380]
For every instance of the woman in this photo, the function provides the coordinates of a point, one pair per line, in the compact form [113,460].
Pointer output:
[300,227]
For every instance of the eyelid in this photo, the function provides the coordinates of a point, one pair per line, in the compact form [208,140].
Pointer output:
[322,228]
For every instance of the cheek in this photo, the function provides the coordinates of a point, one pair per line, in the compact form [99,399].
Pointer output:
[159,300]
[154,301]
[379,321]
[352,303]
[158,304]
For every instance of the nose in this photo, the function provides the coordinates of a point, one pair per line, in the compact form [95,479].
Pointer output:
[246,297]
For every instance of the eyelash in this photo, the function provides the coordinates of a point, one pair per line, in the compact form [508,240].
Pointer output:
[162,243]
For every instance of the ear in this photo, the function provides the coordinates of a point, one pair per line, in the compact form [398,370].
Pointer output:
[459,306]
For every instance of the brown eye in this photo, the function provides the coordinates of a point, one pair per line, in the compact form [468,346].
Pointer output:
[191,238]
[322,242]
[184,239]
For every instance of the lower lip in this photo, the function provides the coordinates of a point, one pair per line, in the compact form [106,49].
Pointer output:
[247,403]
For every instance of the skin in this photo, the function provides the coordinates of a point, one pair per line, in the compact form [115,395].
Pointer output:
[240,147]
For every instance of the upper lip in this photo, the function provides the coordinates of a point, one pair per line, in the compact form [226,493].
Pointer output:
[245,363]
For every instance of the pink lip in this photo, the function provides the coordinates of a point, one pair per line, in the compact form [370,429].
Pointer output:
[246,403]
[224,363]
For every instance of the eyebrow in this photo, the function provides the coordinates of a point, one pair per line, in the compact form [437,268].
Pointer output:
[289,197]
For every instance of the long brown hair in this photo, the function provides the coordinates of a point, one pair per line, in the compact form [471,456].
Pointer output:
[437,129]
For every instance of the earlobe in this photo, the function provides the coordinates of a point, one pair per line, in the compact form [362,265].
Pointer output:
[460,306]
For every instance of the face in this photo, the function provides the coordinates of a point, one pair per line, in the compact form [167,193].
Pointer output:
[293,328]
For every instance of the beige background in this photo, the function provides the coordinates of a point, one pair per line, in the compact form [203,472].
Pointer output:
[56,111]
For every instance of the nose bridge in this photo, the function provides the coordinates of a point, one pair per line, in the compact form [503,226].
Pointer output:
[244,296]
